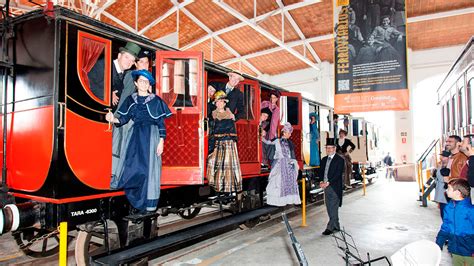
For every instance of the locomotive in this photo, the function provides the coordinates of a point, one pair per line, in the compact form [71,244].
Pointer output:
[57,145]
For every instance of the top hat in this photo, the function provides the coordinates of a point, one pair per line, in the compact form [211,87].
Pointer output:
[145,73]
[235,74]
[330,142]
[131,48]
[445,153]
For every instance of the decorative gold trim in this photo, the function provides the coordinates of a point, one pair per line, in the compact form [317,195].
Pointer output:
[93,110]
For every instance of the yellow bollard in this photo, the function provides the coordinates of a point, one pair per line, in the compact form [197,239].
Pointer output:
[428,175]
[422,182]
[63,244]
[303,202]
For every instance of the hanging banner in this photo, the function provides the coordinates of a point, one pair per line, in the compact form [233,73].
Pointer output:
[370,56]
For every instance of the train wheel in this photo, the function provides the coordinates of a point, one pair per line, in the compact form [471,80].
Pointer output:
[189,213]
[92,243]
[37,243]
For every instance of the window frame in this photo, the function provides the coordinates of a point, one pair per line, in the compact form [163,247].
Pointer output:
[107,66]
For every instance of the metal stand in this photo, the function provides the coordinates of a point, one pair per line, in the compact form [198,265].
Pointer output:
[296,245]
[346,244]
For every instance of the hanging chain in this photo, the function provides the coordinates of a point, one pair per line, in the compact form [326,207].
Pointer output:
[39,238]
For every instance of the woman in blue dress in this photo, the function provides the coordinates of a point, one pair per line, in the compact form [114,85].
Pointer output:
[139,172]
[314,137]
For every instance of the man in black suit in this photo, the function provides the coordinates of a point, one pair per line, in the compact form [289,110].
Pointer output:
[125,60]
[332,167]
[234,95]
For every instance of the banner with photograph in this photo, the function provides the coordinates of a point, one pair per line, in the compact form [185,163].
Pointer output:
[370,56]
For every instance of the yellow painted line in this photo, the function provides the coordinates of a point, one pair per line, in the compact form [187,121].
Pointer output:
[13,256]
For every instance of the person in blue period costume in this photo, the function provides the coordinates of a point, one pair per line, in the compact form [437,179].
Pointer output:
[139,173]
[314,137]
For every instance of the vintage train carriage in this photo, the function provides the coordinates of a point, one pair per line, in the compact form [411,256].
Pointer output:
[59,145]
[456,95]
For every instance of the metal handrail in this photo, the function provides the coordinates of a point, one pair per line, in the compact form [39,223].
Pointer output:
[428,150]
[419,165]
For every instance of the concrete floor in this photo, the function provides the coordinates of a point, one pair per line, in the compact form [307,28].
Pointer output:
[381,222]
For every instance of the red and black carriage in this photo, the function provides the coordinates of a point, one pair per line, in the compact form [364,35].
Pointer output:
[58,146]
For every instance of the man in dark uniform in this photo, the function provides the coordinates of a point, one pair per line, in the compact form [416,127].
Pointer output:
[125,60]
[332,167]
[234,95]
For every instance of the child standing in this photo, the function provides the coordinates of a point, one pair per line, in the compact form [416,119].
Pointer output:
[458,224]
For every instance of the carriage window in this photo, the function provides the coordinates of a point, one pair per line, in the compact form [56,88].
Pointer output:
[448,116]
[324,123]
[454,113]
[340,124]
[443,111]
[292,110]
[470,89]
[93,66]
[462,107]
[179,82]
[355,127]
[249,102]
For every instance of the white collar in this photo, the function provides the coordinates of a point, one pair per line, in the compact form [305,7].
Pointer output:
[331,156]
[117,66]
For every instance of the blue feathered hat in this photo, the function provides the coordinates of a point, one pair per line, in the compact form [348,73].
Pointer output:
[145,73]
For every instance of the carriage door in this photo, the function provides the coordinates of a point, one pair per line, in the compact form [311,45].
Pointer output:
[179,78]
[291,107]
[247,129]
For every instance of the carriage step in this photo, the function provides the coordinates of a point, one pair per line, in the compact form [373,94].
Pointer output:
[316,191]
[139,217]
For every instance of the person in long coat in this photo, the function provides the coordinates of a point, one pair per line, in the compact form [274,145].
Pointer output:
[120,134]
[282,188]
[314,137]
[140,172]
[330,174]
[223,165]
[233,94]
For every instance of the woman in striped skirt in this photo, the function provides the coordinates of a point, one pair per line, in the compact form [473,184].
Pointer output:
[223,166]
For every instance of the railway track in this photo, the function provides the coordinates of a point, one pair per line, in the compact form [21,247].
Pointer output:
[172,223]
